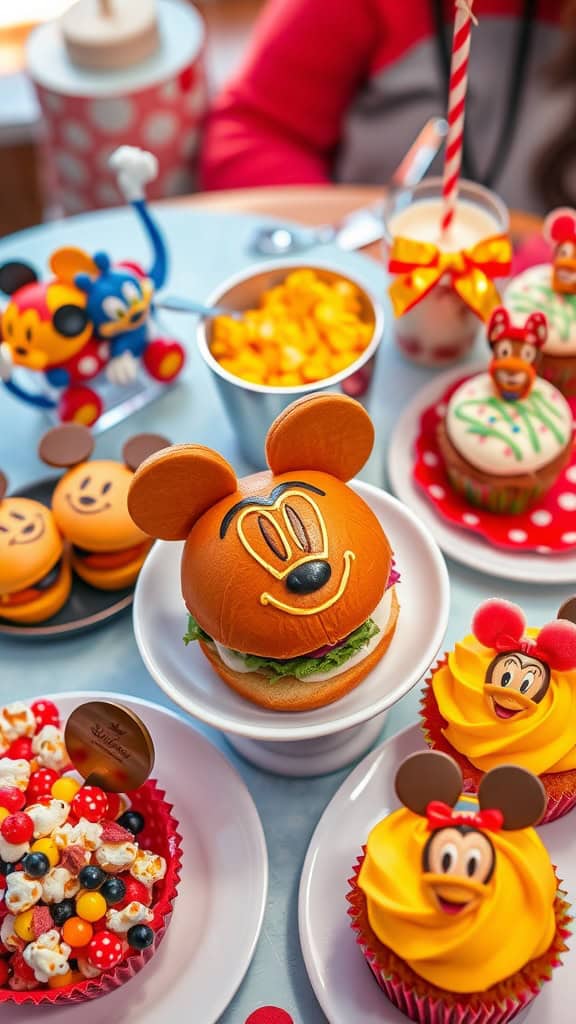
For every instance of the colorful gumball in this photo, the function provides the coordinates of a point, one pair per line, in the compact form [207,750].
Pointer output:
[45,713]
[20,748]
[113,890]
[12,799]
[135,892]
[105,950]
[133,821]
[77,932]
[17,828]
[91,803]
[140,936]
[65,788]
[91,906]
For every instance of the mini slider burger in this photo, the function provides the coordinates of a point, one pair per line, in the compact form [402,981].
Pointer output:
[35,575]
[90,505]
[287,575]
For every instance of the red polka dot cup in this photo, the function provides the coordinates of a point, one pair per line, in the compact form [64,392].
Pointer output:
[160,834]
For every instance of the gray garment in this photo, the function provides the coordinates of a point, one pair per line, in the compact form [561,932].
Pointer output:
[388,114]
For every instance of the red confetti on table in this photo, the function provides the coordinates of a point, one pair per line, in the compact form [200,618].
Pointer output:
[269,1015]
[547,526]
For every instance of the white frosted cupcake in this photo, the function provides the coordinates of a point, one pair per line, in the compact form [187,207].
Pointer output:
[503,455]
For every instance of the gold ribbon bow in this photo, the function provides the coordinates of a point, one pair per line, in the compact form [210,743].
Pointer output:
[421,265]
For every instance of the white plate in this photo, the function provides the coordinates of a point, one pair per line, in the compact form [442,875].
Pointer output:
[462,545]
[187,678]
[340,977]
[218,912]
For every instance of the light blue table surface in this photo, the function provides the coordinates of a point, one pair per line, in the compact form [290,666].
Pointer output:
[205,248]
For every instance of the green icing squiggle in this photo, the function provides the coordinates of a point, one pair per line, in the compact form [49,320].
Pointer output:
[533,410]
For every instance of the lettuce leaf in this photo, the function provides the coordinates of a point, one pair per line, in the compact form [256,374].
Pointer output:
[303,666]
[194,632]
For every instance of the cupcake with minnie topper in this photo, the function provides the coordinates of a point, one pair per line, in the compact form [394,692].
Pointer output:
[444,875]
[551,289]
[507,694]
[88,876]
[506,435]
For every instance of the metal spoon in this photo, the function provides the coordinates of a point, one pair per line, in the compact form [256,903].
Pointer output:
[362,226]
[180,305]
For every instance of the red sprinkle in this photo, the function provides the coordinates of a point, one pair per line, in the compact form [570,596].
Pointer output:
[41,921]
[114,833]
[73,859]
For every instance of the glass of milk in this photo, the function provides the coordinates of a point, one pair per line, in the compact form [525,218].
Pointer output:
[441,328]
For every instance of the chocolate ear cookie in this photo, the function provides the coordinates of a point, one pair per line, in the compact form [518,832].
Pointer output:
[139,447]
[427,776]
[3,485]
[66,446]
[516,792]
[568,610]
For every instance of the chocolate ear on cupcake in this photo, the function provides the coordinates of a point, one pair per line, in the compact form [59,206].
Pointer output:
[425,777]
[517,793]
[66,446]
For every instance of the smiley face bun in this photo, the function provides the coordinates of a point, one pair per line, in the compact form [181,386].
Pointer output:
[287,574]
[35,575]
[90,506]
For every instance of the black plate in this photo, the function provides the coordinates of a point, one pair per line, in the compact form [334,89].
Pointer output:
[85,608]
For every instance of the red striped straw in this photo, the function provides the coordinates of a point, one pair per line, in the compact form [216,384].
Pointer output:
[456,110]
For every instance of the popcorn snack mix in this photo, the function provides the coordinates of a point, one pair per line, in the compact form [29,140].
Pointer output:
[89,505]
[35,577]
[507,693]
[287,575]
[83,902]
[306,329]
[551,289]
[507,434]
[443,877]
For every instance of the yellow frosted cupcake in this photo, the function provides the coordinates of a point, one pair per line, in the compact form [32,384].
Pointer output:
[441,878]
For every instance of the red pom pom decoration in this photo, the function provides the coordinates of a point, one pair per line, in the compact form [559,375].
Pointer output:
[561,225]
[45,713]
[497,618]
[556,644]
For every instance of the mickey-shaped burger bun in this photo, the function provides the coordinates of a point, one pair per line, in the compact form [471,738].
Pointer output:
[287,574]
[35,575]
[90,505]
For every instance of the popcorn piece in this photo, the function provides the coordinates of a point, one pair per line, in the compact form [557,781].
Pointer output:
[48,956]
[21,892]
[14,772]
[47,817]
[120,921]
[85,833]
[148,867]
[11,853]
[8,936]
[59,885]
[50,750]
[16,720]
[114,857]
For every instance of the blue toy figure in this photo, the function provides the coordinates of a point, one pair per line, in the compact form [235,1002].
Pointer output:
[119,296]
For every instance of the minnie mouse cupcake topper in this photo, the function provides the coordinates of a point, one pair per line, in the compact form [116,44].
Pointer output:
[516,353]
[560,231]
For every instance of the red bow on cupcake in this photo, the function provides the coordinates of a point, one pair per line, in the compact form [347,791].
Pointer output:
[501,626]
[441,815]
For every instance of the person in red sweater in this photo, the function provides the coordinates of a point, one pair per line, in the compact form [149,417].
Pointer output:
[338,90]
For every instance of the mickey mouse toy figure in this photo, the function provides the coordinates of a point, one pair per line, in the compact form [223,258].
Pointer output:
[516,353]
[119,297]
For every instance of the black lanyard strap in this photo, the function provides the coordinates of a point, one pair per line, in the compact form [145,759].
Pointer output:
[513,99]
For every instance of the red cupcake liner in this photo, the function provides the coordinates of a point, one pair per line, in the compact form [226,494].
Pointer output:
[560,786]
[423,1002]
[546,526]
[161,835]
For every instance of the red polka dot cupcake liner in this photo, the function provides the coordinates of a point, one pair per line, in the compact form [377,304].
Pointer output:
[161,835]
[425,1003]
[535,519]
[560,786]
